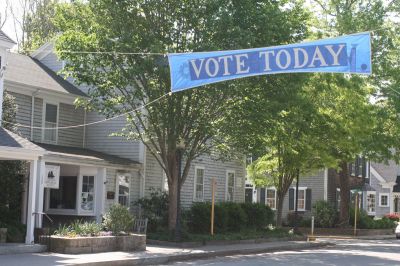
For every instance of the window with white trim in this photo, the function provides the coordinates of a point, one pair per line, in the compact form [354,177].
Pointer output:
[230,185]
[384,199]
[199,184]
[301,203]
[338,198]
[87,193]
[50,121]
[123,190]
[371,202]
[270,198]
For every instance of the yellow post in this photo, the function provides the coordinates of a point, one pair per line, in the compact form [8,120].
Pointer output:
[213,183]
[355,215]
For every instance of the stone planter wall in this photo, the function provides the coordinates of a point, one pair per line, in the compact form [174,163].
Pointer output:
[3,235]
[80,245]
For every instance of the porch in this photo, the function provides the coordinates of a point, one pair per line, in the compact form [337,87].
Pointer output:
[16,148]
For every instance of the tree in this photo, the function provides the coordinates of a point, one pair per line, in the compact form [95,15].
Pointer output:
[120,83]
[38,25]
[11,179]
[33,22]
[361,134]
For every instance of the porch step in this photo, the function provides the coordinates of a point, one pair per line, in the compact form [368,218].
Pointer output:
[19,248]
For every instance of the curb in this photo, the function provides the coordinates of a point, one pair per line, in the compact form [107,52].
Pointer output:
[382,237]
[208,255]
[222,242]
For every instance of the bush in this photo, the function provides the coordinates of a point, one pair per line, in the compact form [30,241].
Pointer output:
[229,217]
[155,208]
[199,217]
[393,216]
[236,216]
[118,219]
[258,215]
[324,214]
[79,228]
[292,219]
[366,222]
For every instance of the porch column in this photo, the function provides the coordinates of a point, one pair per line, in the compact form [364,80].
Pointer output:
[30,219]
[100,193]
[40,193]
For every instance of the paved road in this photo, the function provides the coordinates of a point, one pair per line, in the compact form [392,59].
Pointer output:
[346,252]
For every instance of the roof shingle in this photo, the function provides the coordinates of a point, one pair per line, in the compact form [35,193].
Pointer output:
[25,70]
[4,37]
[12,140]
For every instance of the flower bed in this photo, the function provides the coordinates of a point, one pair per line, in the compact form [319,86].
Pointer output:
[81,245]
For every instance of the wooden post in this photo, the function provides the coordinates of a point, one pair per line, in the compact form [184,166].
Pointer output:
[355,214]
[213,183]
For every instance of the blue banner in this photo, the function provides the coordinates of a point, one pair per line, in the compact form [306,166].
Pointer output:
[345,54]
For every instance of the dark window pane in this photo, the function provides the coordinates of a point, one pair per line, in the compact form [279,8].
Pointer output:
[65,196]
[51,113]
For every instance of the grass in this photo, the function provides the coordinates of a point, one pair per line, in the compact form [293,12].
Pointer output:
[242,235]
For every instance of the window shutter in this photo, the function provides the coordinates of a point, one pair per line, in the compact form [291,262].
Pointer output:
[291,199]
[364,168]
[308,199]
[262,196]
[337,199]
[357,167]
[350,168]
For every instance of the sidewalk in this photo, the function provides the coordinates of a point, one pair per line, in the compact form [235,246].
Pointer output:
[154,254]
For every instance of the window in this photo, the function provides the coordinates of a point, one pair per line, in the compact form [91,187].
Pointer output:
[301,204]
[384,199]
[270,198]
[65,196]
[230,185]
[123,190]
[87,196]
[50,121]
[338,198]
[371,202]
[199,184]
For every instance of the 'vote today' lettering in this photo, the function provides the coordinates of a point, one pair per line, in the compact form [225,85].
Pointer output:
[270,61]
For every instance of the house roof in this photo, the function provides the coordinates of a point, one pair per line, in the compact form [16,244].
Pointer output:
[12,140]
[23,69]
[4,37]
[86,154]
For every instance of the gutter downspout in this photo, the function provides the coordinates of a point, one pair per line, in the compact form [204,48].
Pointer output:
[84,130]
[34,94]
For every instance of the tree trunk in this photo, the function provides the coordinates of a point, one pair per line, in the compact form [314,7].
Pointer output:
[344,194]
[279,210]
[173,203]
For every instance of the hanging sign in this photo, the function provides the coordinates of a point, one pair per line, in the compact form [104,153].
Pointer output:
[52,176]
[345,54]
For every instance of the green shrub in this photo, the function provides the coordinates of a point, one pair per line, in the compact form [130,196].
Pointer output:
[258,215]
[118,219]
[324,214]
[236,216]
[199,217]
[155,208]
[292,219]
[366,222]
[16,232]
[79,228]
[86,228]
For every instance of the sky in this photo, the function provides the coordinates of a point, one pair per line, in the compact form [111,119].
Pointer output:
[9,27]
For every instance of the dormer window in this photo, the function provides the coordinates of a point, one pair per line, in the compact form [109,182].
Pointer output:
[50,121]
